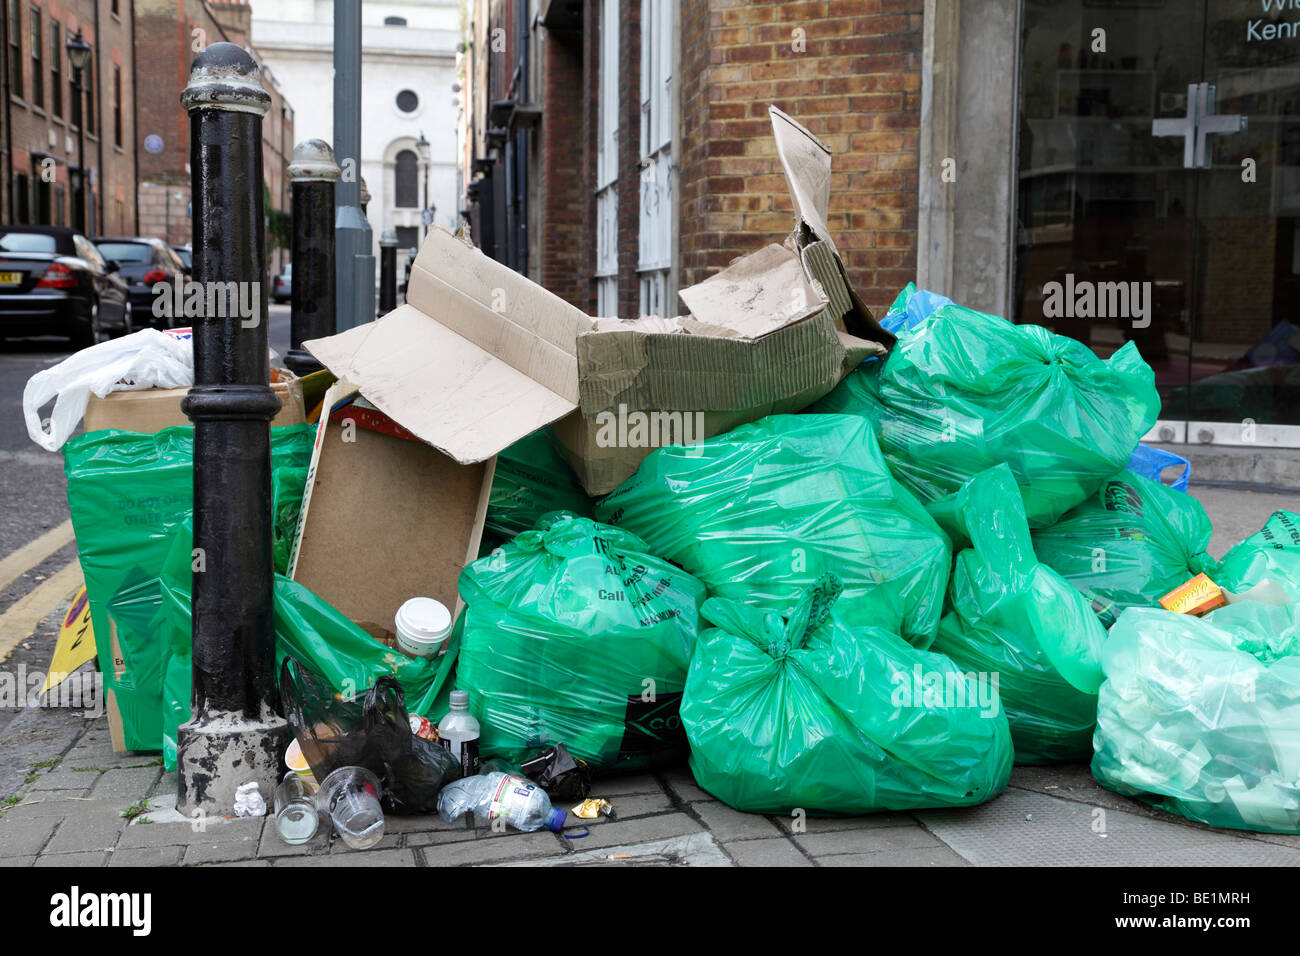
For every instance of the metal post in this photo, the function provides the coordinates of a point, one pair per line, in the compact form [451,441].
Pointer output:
[356,260]
[387,271]
[234,735]
[312,295]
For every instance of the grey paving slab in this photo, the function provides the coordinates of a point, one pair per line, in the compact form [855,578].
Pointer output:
[925,856]
[84,858]
[183,834]
[611,787]
[681,783]
[61,778]
[25,837]
[242,863]
[129,784]
[41,806]
[627,806]
[421,822]
[147,856]
[58,792]
[95,828]
[199,853]
[770,852]
[437,837]
[385,858]
[1031,829]
[516,846]
[692,849]
[865,841]
[869,821]
[641,830]
[17,861]
[728,824]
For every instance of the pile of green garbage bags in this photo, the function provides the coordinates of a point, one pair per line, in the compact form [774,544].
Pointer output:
[804,711]
[963,391]
[1201,716]
[1019,624]
[1129,544]
[761,512]
[576,633]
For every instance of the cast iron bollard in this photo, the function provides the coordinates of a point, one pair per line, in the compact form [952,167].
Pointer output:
[313,174]
[387,271]
[234,735]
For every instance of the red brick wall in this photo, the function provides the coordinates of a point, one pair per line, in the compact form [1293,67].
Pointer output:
[32,125]
[559,137]
[856,84]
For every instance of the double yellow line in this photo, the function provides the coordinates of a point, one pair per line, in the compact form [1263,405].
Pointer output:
[22,618]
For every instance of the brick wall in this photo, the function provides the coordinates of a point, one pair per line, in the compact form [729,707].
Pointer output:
[852,76]
[559,237]
[41,132]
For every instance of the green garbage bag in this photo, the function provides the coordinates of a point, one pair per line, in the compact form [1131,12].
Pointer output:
[1201,716]
[1128,545]
[127,493]
[1270,554]
[761,512]
[807,712]
[964,391]
[576,634]
[1019,624]
[531,479]
[308,629]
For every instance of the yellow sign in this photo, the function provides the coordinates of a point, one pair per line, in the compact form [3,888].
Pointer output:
[76,644]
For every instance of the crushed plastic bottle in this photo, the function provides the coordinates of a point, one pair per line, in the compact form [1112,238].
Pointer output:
[521,803]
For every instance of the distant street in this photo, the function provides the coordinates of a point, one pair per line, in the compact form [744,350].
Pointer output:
[32,485]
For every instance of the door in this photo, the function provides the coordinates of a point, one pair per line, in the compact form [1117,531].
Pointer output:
[1158,202]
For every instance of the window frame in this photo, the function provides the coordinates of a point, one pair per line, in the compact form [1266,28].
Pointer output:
[36,38]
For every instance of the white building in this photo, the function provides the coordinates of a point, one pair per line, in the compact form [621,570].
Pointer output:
[408,69]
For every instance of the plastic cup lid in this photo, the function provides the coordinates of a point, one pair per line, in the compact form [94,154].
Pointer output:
[424,619]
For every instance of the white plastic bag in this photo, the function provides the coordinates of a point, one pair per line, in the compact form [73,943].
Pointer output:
[145,359]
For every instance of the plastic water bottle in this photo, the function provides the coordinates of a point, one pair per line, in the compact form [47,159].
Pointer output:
[489,796]
[459,732]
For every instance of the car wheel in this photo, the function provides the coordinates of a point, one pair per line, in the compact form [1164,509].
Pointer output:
[92,333]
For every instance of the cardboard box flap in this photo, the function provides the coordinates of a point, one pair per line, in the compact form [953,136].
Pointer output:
[461,397]
[755,295]
[710,373]
[497,309]
[848,311]
[807,164]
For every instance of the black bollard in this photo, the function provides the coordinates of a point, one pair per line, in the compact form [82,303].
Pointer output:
[387,271]
[233,736]
[313,174]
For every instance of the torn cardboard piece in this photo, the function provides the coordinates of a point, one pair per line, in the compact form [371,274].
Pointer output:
[480,356]
[385,517]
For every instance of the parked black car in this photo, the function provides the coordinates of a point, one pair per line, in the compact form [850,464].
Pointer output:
[144,262]
[53,281]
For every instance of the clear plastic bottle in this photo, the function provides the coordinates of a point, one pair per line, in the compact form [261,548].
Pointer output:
[459,732]
[522,804]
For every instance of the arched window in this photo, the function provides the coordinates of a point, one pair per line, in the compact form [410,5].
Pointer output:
[407,175]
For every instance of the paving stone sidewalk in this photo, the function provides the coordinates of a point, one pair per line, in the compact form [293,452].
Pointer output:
[88,806]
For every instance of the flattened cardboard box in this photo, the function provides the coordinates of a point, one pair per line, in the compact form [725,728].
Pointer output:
[480,356]
[384,517]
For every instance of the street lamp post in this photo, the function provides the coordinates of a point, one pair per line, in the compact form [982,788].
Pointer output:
[78,55]
[312,176]
[425,156]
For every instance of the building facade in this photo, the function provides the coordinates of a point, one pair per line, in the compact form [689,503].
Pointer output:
[408,122]
[1115,171]
[54,129]
[168,35]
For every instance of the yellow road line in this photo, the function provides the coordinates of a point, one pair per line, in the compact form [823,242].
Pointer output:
[18,623]
[33,553]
